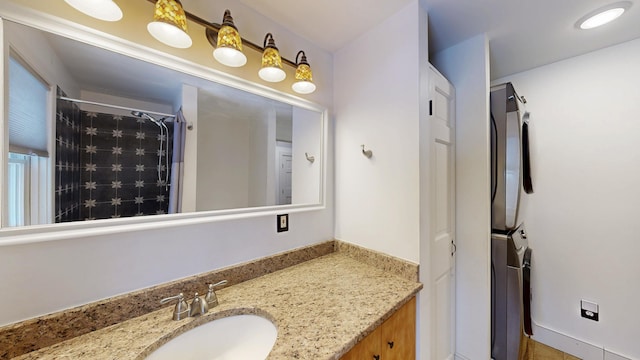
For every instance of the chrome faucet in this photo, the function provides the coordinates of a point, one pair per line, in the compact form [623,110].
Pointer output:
[198,306]
[211,298]
[181,310]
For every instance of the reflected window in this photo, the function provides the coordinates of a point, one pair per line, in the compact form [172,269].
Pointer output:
[28,180]
[17,180]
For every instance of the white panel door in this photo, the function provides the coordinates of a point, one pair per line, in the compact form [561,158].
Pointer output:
[284,176]
[442,282]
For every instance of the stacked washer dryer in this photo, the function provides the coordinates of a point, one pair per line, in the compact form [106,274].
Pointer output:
[511,182]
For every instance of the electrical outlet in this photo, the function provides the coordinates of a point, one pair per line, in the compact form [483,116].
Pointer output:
[589,310]
[282,222]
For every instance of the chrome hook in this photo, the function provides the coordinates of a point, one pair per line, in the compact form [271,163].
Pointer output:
[311,159]
[367,153]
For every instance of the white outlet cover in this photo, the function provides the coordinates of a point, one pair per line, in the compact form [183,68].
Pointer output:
[589,306]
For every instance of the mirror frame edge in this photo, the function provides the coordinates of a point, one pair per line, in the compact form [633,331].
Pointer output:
[58,231]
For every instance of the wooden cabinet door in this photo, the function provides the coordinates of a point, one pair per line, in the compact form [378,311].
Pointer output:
[367,349]
[395,339]
[398,336]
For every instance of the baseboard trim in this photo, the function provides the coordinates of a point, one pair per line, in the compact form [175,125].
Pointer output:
[567,344]
[608,355]
[573,346]
[460,357]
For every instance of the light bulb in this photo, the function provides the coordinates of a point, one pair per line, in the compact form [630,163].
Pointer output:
[272,74]
[105,10]
[303,87]
[229,57]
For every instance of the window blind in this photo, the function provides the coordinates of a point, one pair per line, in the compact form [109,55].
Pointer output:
[27,111]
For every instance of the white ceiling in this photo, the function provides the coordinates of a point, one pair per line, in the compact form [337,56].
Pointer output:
[523,33]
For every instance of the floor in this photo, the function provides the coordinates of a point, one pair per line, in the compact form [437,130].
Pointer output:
[538,351]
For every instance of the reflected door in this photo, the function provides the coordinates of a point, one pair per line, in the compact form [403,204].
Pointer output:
[284,176]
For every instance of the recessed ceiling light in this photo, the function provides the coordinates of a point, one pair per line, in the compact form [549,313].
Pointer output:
[603,15]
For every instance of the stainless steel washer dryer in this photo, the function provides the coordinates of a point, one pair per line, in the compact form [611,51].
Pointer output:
[511,184]
[511,293]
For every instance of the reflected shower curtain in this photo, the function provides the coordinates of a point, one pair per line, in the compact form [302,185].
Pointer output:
[177,165]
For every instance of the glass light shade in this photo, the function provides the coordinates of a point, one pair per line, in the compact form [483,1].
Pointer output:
[229,47]
[304,80]
[230,57]
[105,10]
[169,25]
[602,18]
[271,66]
[603,15]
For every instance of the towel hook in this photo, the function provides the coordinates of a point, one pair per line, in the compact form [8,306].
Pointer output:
[311,159]
[367,153]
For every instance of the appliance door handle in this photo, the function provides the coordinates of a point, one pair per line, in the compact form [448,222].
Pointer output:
[494,158]
[527,176]
[526,291]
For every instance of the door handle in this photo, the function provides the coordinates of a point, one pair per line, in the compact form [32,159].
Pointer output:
[454,248]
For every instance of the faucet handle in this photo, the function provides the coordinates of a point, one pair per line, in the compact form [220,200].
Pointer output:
[182,308]
[211,297]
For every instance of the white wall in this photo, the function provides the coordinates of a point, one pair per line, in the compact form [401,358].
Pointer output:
[425,332]
[582,219]
[466,65]
[223,179]
[32,47]
[78,270]
[262,157]
[305,177]
[376,103]
[120,101]
[188,101]
[380,94]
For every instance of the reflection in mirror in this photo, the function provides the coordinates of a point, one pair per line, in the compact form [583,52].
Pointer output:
[94,134]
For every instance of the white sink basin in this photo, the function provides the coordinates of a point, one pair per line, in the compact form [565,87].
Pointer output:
[247,337]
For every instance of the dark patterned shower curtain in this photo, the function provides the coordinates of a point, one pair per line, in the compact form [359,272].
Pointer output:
[118,167]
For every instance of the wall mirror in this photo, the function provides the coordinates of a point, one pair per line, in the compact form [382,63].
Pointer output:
[92,134]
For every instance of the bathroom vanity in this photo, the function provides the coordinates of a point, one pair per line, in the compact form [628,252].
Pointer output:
[321,308]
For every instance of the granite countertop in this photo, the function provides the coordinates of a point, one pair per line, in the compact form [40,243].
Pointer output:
[321,309]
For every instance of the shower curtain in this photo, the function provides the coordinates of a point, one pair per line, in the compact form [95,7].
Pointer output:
[118,162]
[177,166]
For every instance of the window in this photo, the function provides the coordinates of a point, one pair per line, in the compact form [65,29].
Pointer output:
[28,170]
[18,182]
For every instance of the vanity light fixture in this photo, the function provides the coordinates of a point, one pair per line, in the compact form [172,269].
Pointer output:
[105,10]
[169,25]
[304,77]
[603,15]
[229,44]
[271,62]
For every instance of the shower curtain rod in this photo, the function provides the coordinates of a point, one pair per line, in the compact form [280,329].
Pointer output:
[114,106]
